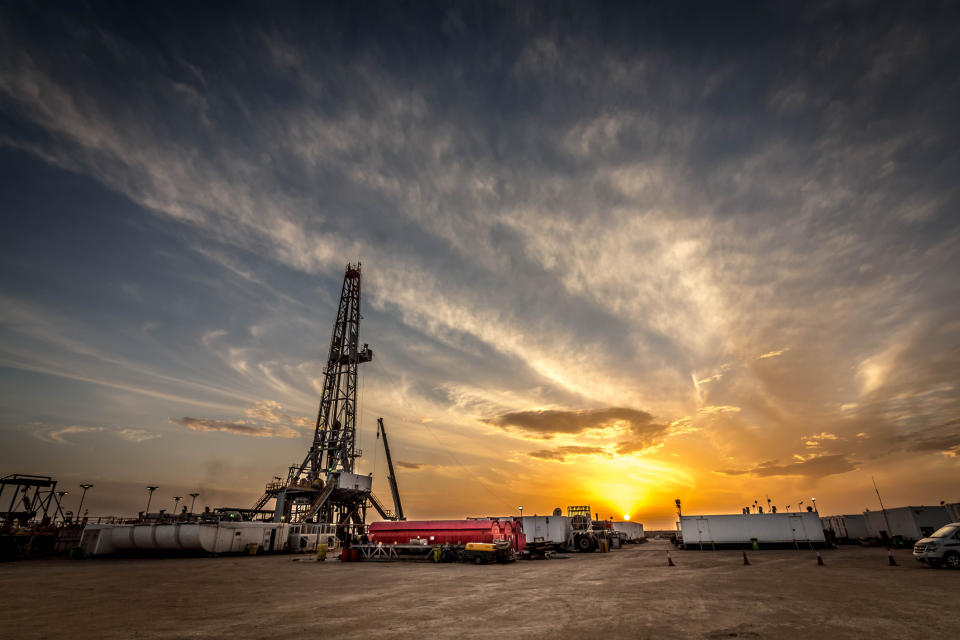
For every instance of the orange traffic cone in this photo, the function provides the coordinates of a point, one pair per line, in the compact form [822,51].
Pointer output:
[893,563]
[819,560]
[670,560]
[745,561]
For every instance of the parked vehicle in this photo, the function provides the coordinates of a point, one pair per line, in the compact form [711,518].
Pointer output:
[487,552]
[941,548]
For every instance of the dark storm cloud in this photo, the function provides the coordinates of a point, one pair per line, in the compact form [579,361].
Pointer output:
[815,467]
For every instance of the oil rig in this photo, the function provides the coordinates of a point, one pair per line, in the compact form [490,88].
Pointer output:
[325,487]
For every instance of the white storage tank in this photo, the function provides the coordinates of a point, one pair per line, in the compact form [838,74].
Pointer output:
[196,537]
[742,529]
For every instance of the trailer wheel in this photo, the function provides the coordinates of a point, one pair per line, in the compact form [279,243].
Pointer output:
[477,560]
[952,560]
[585,543]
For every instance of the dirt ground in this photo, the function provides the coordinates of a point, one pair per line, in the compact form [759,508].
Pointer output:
[629,593]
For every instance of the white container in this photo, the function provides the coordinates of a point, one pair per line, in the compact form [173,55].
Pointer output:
[953,511]
[851,526]
[550,529]
[629,531]
[354,482]
[913,523]
[766,528]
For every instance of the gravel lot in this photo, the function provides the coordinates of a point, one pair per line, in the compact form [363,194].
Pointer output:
[629,593]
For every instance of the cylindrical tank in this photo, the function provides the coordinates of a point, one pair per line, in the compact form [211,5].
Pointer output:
[144,537]
[447,531]
[168,537]
[122,538]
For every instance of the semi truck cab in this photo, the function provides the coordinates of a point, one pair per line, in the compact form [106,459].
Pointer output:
[941,548]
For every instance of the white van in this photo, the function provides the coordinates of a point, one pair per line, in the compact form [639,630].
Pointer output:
[941,548]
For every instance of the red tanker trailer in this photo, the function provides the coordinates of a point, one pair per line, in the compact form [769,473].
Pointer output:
[448,531]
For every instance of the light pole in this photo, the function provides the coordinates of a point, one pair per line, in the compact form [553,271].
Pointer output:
[194,496]
[176,503]
[150,489]
[815,506]
[84,486]
[521,510]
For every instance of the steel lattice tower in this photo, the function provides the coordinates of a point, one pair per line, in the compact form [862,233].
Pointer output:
[324,487]
[334,438]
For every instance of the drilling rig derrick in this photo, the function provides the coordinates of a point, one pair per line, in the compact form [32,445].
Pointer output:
[324,487]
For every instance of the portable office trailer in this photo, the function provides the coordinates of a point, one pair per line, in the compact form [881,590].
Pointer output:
[910,523]
[850,527]
[550,529]
[953,511]
[629,531]
[767,529]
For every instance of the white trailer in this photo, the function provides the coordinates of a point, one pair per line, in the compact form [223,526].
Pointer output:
[744,529]
[548,529]
[953,511]
[846,527]
[629,531]
[910,523]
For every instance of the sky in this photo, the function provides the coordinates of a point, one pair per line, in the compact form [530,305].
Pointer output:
[612,254]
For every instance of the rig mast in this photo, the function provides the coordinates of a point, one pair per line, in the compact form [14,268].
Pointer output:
[324,487]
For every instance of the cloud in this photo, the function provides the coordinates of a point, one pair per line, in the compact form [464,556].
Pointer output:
[942,438]
[58,436]
[574,223]
[241,428]
[266,419]
[773,354]
[137,435]
[547,424]
[560,454]
[817,466]
[413,466]
[271,412]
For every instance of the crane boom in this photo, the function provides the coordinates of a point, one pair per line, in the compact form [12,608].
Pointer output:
[397,507]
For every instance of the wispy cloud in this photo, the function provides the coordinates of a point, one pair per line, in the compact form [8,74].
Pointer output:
[265,419]
[59,435]
[137,435]
[560,454]
[816,466]
[573,223]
